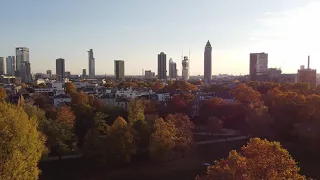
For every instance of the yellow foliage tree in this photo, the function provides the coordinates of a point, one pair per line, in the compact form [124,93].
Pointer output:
[259,159]
[3,95]
[21,145]
[135,111]
[162,139]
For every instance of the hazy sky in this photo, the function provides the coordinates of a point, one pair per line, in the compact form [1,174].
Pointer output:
[137,30]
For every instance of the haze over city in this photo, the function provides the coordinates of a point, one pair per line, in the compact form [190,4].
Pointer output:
[136,31]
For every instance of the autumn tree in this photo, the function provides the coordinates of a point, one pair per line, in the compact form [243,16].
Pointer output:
[66,116]
[122,142]
[21,145]
[181,85]
[79,98]
[184,131]
[246,94]
[259,159]
[135,111]
[3,94]
[158,86]
[215,124]
[162,140]
[70,88]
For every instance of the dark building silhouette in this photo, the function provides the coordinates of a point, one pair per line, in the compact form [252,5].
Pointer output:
[308,75]
[162,66]
[119,69]
[60,69]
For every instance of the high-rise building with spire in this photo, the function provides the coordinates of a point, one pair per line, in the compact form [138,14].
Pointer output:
[91,64]
[207,63]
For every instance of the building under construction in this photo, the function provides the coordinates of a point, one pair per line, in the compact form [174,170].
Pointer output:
[308,75]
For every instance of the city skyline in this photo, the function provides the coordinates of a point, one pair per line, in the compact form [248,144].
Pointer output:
[286,30]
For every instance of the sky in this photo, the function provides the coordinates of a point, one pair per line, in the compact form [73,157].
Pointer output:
[137,30]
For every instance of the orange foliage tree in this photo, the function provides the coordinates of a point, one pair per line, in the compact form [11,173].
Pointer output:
[246,94]
[259,159]
[66,116]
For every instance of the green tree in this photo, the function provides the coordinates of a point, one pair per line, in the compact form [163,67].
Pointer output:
[259,159]
[3,94]
[135,111]
[61,138]
[142,134]
[96,142]
[21,145]
[162,139]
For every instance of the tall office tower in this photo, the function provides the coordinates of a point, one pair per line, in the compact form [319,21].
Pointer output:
[91,64]
[207,63]
[308,75]
[119,69]
[25,71]
[2,66]
[84,73]
[49,73]
[162,66]
[172,69]
[185,68]
[60,69]
[22,54]
[11,65]
[258,65]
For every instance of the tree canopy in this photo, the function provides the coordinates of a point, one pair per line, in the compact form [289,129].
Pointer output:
[259,159]
[21,145]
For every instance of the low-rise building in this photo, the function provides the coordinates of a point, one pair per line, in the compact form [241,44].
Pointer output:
[61,99]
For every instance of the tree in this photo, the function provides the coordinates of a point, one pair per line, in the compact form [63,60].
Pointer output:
[162,140]
[79,98]
[215,124]
[135,111]
[66,116]
[255,161]
[259,122]
[61,138]
[158,86]
[70,88]
[3,94]
[142,133]
[246,94]
[184,131]
[21,145]
[122,140]
[96,141]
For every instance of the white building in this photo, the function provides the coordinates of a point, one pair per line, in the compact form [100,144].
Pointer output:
[185,68]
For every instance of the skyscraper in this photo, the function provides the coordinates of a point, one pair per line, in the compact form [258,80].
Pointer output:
[258,65]
[22,54]
[119,69]
[185,68]
[91,64]
[25,71]
[2,66]
[84,73]
[60,69]
[11,65]
[172,69]
[162,66]
[49,73]
[207,63]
